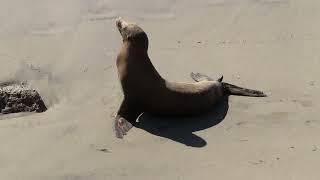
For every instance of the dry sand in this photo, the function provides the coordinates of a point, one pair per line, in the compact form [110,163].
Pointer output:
[67,50]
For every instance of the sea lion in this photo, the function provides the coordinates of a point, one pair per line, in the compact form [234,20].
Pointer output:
[146,91]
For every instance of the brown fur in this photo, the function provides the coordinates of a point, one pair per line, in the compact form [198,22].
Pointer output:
[146,91]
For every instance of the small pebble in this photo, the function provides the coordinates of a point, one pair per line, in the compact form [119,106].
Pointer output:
[104,150]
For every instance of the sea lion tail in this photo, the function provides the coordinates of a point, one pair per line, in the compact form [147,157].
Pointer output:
[239,91]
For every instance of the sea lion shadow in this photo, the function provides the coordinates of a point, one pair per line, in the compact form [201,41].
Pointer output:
[181,129]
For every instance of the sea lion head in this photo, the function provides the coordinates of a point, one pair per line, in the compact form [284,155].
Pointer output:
[132,33]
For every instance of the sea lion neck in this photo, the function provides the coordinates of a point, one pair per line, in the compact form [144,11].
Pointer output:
[136,59]
[136,48]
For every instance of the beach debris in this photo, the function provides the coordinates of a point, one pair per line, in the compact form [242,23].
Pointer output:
[104,150]
[19,97]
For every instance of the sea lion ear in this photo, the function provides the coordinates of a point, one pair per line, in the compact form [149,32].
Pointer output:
[220,79]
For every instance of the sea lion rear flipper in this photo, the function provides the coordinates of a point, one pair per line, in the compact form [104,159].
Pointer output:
[235,90]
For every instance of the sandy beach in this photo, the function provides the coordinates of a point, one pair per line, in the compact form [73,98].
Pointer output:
[67,51]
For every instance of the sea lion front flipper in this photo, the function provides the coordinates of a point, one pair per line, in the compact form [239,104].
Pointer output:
[126,117]
[200,77]
[121,126]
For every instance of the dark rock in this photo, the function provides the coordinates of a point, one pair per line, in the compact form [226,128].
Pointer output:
[18,97]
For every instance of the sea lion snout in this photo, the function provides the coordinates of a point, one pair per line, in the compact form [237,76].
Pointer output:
[123,28]
[132,33]
[121,23]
